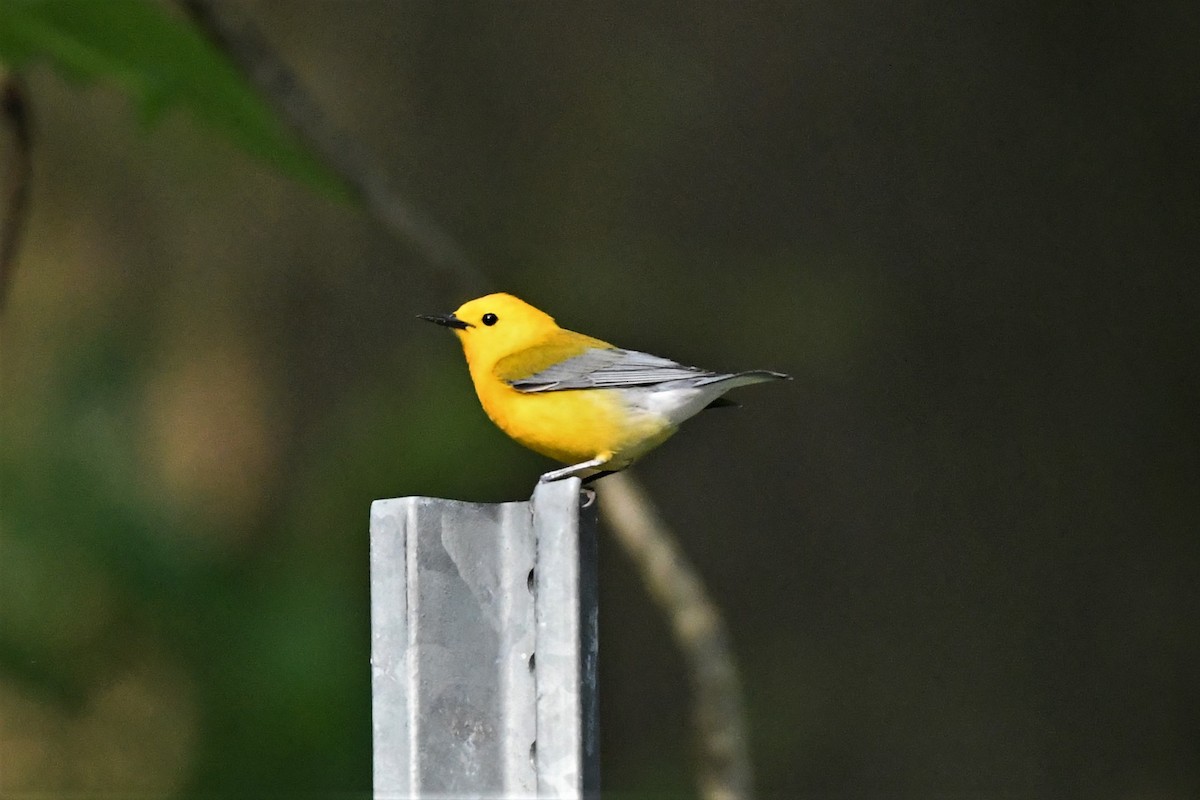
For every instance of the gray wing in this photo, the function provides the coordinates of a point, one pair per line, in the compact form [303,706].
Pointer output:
[611,368]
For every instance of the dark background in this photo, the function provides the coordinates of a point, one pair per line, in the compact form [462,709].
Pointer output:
[958,553]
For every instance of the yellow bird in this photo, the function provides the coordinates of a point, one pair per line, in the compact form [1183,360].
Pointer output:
[578,400]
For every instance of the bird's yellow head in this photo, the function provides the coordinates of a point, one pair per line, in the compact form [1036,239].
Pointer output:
[495,326]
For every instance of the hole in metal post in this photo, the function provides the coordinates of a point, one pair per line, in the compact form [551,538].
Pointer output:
[533,754]
[529,580]
[532,661]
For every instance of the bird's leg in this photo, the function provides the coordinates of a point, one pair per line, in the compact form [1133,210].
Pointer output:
[575,470]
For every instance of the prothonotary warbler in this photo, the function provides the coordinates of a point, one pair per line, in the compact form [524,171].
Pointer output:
[579,400]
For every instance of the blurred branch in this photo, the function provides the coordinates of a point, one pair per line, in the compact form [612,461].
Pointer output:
[700,632]
[16,174]
[362,171]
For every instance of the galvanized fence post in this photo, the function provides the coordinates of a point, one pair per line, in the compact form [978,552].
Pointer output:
[483,647]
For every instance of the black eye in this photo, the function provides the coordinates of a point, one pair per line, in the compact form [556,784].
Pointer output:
[490,319]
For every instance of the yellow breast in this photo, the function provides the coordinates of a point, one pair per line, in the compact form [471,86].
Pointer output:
[573,425]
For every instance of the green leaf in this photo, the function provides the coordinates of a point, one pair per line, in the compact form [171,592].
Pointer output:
[163,64]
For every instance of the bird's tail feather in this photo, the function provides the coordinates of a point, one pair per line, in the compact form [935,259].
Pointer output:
[747,378]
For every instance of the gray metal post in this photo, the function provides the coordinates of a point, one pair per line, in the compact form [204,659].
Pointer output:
[483,647]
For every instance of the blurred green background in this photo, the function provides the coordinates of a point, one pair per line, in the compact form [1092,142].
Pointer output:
[958,553]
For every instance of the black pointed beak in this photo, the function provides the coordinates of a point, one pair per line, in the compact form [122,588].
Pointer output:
[448,320]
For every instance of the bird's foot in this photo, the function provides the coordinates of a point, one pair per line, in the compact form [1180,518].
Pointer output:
[575,470]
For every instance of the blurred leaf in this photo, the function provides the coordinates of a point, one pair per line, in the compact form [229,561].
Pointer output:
[162,63]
